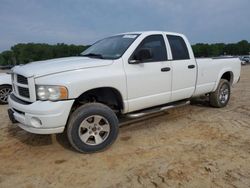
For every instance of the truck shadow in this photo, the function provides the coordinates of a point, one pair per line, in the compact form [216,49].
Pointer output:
[34,140]
[27,138]
[201,101]
[64,142]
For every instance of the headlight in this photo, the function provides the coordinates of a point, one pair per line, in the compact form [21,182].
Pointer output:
[52,93]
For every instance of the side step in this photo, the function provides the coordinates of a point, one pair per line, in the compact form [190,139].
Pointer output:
[150,111]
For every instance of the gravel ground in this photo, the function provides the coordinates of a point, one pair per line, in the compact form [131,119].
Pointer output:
[192,146]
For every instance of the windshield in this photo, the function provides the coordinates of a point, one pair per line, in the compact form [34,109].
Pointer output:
[111,47]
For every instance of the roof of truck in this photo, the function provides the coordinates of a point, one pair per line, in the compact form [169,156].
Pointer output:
[152,32]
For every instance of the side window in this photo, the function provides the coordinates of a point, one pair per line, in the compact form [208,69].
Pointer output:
[157,47]
[178,47]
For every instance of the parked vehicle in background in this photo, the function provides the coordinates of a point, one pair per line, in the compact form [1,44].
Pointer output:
[6,67]
[245,60]
[126,75]
[5,87]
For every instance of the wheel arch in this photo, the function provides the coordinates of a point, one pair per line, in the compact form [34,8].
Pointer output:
[9,85]
[109,96]
[226,74]
[229,76]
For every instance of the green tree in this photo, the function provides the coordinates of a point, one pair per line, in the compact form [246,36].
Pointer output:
[218,49]
[25,53]
[7,57]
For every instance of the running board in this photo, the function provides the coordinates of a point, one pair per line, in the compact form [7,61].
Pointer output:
[150,111]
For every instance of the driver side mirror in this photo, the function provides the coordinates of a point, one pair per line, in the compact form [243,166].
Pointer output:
[144,54]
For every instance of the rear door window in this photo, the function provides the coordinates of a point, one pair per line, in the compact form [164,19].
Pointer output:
[178,47]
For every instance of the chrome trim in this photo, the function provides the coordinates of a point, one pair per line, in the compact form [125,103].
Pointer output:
[30,86]
[32,89]
[156,110]
[21,85]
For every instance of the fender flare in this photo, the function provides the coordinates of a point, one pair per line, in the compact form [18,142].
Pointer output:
[223,71]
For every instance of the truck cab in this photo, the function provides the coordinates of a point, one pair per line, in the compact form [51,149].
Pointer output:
[169,56]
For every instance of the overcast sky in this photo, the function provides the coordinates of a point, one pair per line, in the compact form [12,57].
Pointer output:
[85,21]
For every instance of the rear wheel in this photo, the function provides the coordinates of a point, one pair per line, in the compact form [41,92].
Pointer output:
[5,90]
[92,127]
[221,96]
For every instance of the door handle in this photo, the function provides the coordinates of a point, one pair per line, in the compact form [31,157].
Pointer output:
[165,69]
[191,66]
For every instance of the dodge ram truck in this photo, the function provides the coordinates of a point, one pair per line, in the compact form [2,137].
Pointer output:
[126,75]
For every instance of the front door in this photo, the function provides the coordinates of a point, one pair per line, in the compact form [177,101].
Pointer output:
[149,81]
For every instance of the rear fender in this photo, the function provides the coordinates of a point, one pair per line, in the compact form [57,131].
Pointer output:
[220,75]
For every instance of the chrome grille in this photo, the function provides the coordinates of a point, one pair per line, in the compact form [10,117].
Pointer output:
[22,80]
[21,85]
[24,92]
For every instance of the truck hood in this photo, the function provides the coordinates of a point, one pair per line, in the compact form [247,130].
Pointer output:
[53,66]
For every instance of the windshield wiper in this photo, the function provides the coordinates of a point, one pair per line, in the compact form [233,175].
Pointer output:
[93,55]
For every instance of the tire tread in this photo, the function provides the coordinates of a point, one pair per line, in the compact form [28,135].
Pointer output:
[214,96]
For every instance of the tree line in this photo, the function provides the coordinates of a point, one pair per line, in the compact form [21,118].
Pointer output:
[219,49]
[25,53]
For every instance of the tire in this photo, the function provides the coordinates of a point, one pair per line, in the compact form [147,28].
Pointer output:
[92,127]
[220,97]
[5,90]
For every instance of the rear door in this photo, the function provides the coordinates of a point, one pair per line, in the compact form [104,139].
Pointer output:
[184,69]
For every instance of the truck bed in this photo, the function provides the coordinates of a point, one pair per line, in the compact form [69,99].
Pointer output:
[211,69]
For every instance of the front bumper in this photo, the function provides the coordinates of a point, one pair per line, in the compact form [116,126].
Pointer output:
[41,117]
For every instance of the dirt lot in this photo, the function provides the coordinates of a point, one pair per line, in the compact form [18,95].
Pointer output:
[193,146]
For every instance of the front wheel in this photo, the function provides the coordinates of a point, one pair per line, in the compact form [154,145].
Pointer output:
[92,127]
[220,97]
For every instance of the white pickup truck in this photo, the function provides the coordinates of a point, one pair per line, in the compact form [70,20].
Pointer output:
[126,75]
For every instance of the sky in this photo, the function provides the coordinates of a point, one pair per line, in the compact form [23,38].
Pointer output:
[85,21]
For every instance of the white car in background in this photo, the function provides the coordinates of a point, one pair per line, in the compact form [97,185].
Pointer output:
[5,87]
[245,60]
